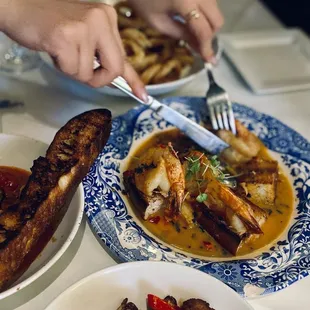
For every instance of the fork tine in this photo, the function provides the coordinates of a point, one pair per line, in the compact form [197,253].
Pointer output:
[225,116]
[219,116]
[213,118]
[232,122]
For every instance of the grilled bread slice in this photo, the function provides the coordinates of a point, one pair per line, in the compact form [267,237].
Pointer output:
[49,190]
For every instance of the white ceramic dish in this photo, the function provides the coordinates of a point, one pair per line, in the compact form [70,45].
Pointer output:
[107,288]
[20,152]
[65,82]
[270,61]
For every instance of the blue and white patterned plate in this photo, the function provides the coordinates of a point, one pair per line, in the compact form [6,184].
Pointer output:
[112,219]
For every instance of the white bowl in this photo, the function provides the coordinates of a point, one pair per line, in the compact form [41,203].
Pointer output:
[63,81]
[20,152]
[107,288]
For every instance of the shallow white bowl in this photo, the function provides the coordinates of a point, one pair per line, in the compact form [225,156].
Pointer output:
[107,288]
[59,79]
[20,152]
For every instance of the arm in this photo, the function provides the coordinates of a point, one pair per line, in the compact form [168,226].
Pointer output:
[72,33]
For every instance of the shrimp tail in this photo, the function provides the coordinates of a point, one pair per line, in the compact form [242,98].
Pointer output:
[176,198]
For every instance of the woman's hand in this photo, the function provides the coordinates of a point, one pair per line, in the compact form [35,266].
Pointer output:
[72,33]
[203,19]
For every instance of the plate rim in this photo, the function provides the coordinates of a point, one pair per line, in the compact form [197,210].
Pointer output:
[121,252]
[80,212]
[126,265]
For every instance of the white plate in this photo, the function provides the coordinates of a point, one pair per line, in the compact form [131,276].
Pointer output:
[270,61]
[20,152]
[107,288]
[65,82]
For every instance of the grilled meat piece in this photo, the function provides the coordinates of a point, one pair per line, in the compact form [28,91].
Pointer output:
[171,301]
[259,180]
[127,305]
[195,304]
[49,190]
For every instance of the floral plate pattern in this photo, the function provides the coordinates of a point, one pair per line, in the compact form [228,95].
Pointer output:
[112,219]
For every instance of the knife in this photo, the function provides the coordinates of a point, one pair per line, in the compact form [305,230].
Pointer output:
[203,137]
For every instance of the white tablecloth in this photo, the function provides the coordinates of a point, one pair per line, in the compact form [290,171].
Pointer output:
[48,108]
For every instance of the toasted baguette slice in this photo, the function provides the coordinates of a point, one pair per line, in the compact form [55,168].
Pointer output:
[49,190]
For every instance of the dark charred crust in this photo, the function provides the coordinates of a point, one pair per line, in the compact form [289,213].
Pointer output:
[218,229]
[67,151]
[171,301]
[196,304]
[144,167]
[127,305]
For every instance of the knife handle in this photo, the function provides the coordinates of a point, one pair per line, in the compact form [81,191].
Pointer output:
[122,85]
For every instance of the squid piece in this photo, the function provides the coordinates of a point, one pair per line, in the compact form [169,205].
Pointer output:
[160,181]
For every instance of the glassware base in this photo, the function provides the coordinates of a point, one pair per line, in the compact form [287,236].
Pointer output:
[18,59]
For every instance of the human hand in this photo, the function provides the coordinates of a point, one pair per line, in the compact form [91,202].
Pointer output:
[203,19]
[72,33]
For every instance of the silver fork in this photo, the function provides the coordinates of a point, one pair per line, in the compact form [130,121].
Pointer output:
[219,105]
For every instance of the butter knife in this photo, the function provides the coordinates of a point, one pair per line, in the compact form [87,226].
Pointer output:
[203,137]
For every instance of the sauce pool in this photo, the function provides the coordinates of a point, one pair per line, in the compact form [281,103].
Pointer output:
[194,240]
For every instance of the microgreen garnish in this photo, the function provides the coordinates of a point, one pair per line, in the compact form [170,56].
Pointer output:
[202,197]
[194,167]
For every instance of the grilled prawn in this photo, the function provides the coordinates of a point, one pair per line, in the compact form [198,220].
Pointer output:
[160,180]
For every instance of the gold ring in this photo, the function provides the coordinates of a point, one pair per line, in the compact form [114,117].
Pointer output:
[194,14]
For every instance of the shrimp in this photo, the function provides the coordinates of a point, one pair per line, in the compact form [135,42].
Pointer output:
[243,147]
[160,179]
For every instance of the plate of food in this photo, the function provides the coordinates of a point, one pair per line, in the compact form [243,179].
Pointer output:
[241,217]
[149,285]
[164,64]
[41,196]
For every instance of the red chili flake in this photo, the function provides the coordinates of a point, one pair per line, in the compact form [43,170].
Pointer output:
[163,146]
[208,245]
[154,219]
[128,173]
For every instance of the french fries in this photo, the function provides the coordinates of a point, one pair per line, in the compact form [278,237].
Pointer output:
[157,58]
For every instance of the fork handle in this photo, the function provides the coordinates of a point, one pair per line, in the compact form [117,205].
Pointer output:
[210,73]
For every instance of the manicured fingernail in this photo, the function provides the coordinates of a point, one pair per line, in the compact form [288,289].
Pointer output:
[144,96]
[213,60]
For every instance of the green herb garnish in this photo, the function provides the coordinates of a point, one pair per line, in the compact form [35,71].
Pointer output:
[195,169]
[202,197]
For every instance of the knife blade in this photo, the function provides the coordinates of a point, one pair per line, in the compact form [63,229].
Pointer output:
[203,137]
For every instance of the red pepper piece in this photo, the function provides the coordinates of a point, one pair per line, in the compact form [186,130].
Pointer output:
[208,245]
[154,219]
[156,303]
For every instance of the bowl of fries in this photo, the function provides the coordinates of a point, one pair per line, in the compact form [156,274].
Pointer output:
[163,64]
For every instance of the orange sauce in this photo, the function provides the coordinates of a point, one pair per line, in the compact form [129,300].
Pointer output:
[194,240]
